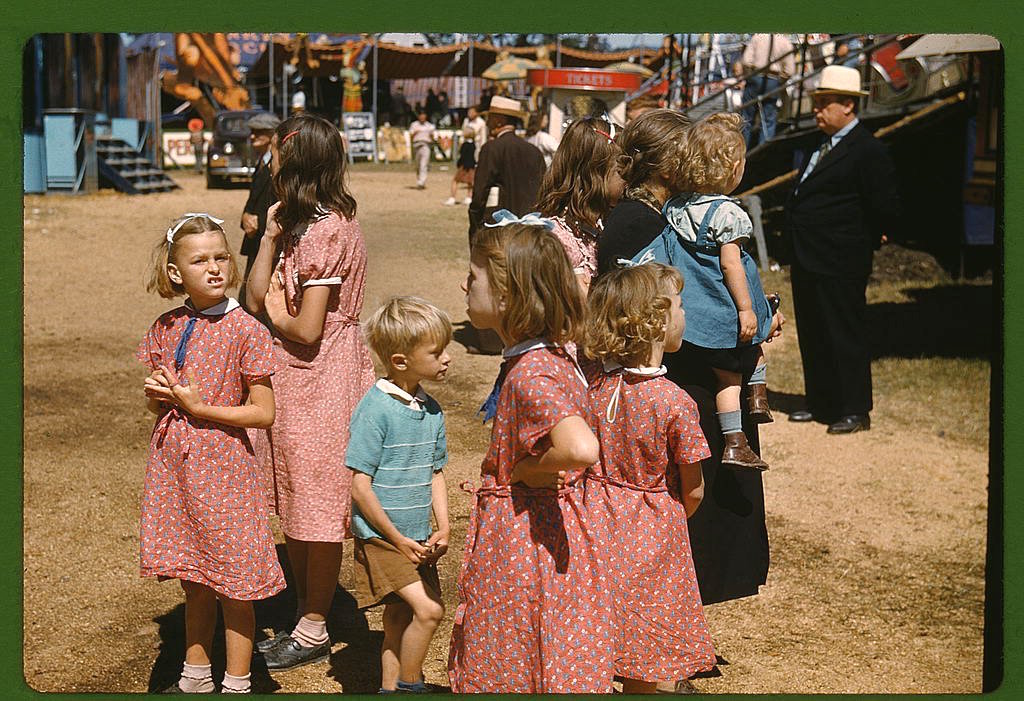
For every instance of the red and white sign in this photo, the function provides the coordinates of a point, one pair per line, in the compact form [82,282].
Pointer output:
[584,79]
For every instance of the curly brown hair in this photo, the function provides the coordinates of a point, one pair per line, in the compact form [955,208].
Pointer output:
[714,146]
[528,268]
[627,310]
[312,173]
[576,184]
[652,145]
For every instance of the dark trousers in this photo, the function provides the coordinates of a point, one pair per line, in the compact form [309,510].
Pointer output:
[831,319]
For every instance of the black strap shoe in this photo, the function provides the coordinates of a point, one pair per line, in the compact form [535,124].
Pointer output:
[289,654]
[851,424]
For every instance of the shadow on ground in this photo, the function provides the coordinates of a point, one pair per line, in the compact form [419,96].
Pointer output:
[948,321]
[356,666]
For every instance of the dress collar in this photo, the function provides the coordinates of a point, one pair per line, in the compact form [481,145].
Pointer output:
[219,309]
[526,346]
[611,366]
[535,343]
[388,387]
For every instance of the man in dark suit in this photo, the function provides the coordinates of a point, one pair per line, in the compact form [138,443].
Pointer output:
[844,202]
[508,163]
[261,191]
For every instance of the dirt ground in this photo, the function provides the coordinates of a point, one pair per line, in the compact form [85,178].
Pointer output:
[878,538]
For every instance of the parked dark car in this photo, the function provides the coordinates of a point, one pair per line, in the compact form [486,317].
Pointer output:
[229,157]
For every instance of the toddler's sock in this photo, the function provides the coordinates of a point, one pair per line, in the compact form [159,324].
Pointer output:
[730,421]
[235,685]
[310,633]
[760,375]
[196,679]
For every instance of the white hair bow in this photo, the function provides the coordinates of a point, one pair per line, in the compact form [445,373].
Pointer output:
[186,217]
[503,217]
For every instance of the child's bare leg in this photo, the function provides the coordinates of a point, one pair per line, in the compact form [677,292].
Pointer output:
[427,612]
[728,397]
[455,188]
[200,622]
[298,555]
[397,616]
[322,567]
[635,686]
[239,630]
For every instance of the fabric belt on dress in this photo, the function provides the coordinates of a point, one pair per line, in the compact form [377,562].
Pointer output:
[625,485]
[164,423]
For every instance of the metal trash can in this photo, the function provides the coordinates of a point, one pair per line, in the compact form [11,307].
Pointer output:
[70,150]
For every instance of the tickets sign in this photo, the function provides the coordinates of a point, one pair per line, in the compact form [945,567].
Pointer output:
[584,79]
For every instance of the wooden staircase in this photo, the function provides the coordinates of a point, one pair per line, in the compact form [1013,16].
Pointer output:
[126,170]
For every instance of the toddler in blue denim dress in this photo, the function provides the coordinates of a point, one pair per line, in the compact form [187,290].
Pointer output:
[728,314]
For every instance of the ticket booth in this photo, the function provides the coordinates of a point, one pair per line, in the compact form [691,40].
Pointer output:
[561,85]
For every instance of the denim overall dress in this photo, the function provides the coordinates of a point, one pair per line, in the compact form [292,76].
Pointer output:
[711,317]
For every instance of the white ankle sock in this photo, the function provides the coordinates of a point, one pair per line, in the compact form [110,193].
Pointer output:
[196,679]
[235,685]
[310,633]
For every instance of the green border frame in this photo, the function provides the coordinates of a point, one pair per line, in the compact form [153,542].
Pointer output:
[25,18]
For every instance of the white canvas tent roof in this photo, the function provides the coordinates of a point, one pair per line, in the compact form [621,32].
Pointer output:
[944,44]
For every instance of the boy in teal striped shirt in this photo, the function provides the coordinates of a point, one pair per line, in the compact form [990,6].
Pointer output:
[396,452]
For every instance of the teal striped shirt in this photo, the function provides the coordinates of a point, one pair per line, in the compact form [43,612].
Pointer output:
[400,448]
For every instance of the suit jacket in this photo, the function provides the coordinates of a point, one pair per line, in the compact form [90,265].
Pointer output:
[836,217]
[261,197]
[516,168]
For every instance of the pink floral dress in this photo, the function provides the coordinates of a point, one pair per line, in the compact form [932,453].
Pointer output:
[318,386]
[580,246]
[533,613]
[647,426]
[203,516]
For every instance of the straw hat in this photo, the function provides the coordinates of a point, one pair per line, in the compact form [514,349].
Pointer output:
[840,80]
[506,105]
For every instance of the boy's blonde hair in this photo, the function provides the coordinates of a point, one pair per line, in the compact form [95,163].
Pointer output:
[403,323]
[713,148]
[528,268]
[627,312]
[157,280]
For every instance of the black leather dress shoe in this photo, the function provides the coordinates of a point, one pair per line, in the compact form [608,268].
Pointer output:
[264,645]
[289,654]
[801,416]
[851,424]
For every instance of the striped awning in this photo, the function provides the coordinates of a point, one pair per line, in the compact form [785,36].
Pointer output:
[396,62]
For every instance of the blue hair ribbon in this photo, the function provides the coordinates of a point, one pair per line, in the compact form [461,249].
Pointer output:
[504,217]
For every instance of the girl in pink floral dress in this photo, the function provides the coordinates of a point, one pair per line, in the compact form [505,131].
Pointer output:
[579,189]
[313,297]
[533,613]
[649,479]
[203,517]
